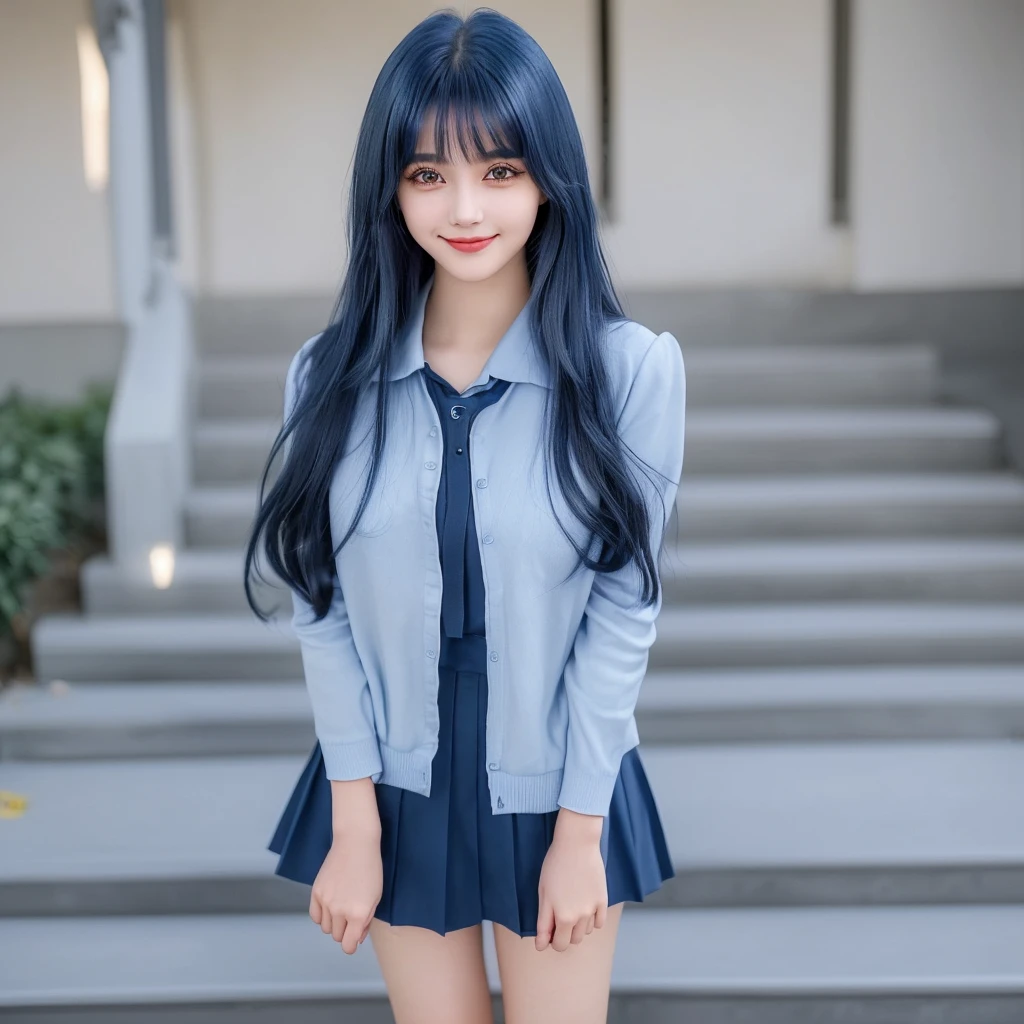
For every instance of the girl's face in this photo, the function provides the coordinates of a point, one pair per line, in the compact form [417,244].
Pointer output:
[493,198]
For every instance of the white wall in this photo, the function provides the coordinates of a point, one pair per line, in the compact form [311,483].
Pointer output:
[56,260]
[938,178]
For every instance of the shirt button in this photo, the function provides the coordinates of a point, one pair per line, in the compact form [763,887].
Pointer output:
[494,655]
[433,431]
[430,465]
[430,653]
[482,482]
[493,765]
[488,539]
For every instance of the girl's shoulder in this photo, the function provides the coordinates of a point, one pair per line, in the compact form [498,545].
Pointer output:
[641,361]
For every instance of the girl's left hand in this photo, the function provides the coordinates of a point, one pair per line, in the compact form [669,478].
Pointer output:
[573,891]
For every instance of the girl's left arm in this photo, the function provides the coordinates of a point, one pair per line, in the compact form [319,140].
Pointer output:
[610,653]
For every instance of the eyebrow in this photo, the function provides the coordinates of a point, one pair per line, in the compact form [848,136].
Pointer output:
[487,155]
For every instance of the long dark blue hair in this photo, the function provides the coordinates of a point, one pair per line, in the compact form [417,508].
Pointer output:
[486,66]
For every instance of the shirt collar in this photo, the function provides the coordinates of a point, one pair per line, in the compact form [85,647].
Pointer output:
[517,356]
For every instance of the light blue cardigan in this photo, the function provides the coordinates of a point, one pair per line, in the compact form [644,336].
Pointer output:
[565,661]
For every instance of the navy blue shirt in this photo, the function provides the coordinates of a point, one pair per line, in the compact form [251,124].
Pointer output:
[462,587]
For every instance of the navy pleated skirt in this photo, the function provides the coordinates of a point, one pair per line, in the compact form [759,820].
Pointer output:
[448,861]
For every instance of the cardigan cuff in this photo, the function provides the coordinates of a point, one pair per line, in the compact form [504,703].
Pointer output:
[585,792]
[347,761]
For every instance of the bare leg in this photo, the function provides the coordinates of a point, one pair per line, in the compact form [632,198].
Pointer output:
[431,978]
[552,987]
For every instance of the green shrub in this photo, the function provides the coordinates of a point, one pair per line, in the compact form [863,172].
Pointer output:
[51,486]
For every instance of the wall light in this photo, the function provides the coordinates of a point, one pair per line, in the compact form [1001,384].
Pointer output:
[94,86]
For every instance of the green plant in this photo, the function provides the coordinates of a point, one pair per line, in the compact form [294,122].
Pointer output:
[51,485]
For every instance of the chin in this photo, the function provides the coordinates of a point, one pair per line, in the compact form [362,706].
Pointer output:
[467,269]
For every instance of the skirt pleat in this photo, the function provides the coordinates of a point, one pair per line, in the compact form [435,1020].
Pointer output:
[448,861]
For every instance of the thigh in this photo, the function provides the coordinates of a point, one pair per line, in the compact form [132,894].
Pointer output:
[431,978]
[568,987]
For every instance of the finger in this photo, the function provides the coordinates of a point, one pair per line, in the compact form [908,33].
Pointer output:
[590,923]
[347,938]
[366,930]
[579,931]
[563,935]
[350,940]
[326,925]
[339,924]
[314,908]
[545,924]
[599,917]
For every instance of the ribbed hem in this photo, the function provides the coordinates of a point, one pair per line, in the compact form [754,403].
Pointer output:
[409,769]
[524,794]
[344,762]
[509,794]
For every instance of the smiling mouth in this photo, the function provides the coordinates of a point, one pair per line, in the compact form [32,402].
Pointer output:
[466,241]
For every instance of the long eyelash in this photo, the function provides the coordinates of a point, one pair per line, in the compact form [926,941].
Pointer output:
[515,173]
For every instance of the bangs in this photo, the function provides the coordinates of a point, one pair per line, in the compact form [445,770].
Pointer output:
[477,123]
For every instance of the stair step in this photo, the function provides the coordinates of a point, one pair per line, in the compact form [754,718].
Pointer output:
[837,440]
[245,385]
[721,441]
[206,718]
[211,646]
[753,824]
[747,507]
[866,569]
[837,633]
[736,966]
[912,505]
[938,569]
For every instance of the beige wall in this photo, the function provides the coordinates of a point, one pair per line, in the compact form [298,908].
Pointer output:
[723,120]
[939,143]
[279,90]
[721,165]
[56,261]
[721,116]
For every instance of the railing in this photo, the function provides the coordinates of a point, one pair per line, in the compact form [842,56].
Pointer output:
[148,438]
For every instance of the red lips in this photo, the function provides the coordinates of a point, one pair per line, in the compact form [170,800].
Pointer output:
[470,244]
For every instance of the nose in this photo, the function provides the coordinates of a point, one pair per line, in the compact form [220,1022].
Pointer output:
[465,204]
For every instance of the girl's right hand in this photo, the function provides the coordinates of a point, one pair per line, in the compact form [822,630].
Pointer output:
[348,888]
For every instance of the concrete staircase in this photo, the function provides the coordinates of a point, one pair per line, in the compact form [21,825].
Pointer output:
[831,723]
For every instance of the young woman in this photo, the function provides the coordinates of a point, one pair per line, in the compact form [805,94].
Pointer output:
[481,455]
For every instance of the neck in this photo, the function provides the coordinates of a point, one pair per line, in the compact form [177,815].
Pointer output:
[467,319]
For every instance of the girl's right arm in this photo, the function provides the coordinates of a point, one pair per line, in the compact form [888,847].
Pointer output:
[350,881]
[337,685]
[354,808]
